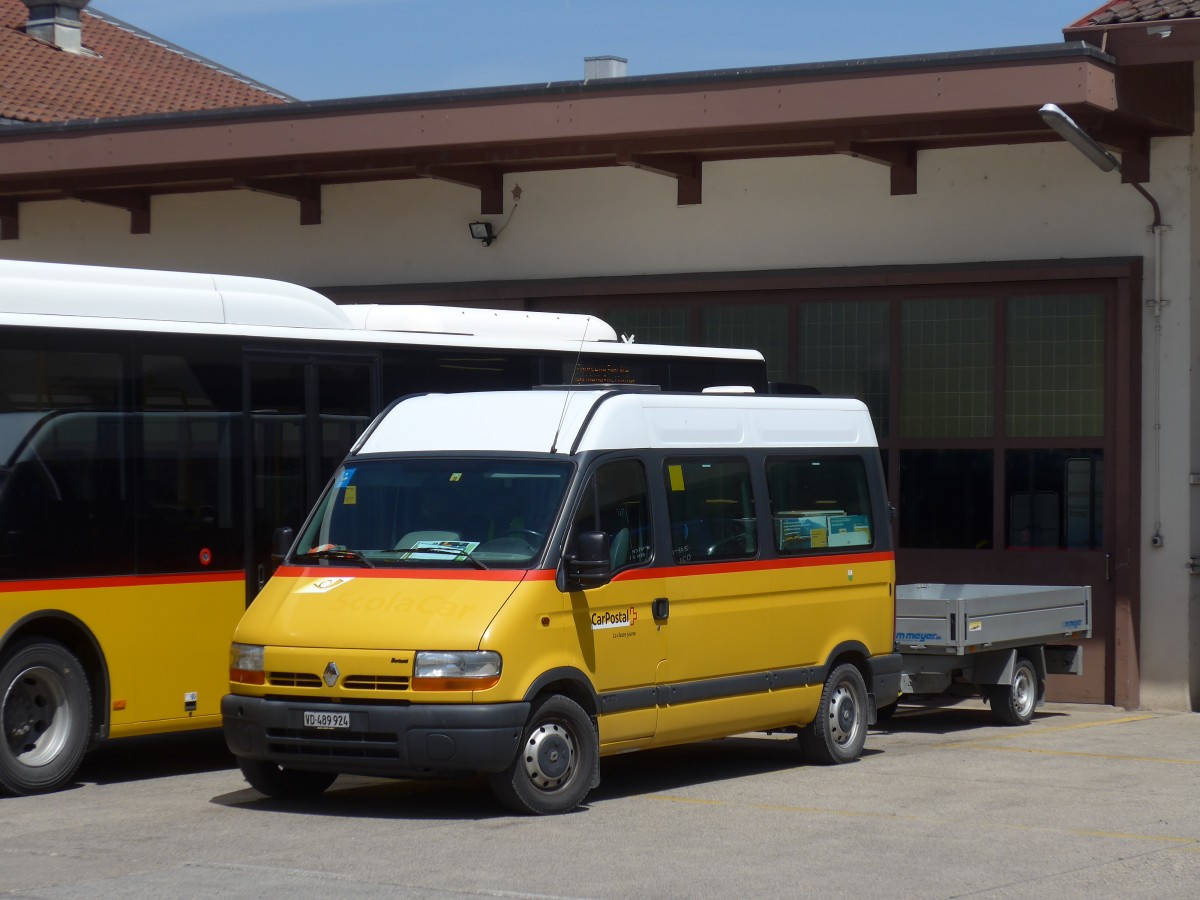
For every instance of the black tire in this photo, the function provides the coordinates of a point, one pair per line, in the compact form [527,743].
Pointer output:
[1014,703]
[838,732]
[558,762]
[282,783]
[45,717]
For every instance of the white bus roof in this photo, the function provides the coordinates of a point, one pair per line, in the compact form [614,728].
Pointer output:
[60,295]
[571,421]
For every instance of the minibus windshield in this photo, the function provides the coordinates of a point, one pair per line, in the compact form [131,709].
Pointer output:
[443,512]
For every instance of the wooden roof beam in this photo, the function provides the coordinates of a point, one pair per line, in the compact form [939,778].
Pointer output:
[488,180]
[687,170]
[136,203]
[9,219]
[899,158]
[305,191]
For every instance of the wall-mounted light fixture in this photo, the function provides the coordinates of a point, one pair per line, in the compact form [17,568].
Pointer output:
[482,231]
[1078,138]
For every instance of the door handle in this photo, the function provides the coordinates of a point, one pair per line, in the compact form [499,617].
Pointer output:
[660,608]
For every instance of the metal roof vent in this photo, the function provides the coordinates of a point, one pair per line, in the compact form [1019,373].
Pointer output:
[597,67]
[57,23]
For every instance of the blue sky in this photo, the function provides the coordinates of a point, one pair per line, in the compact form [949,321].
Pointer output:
[319,49]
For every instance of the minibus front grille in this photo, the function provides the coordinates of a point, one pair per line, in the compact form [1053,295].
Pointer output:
[375,683]
[333,744]
[294,679]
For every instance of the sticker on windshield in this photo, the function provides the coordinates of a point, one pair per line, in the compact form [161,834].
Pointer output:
[345,477]
[350,497]
[456,476]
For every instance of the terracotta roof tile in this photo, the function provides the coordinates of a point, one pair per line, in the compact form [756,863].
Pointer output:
[126,73]
[1121,12]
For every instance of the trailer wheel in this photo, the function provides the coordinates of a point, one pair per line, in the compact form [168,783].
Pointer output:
[46,716]
[557,762]
[282,783]
[838,732]
[1013,704]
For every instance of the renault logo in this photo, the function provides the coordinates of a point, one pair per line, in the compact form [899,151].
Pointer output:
[332,674]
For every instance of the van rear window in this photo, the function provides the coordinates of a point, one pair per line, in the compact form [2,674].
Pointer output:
[820,503]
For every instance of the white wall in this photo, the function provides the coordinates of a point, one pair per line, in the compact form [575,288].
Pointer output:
[1032,201]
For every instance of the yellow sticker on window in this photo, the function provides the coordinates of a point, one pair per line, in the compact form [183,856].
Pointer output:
[675,473]
[456,476]
[350,497]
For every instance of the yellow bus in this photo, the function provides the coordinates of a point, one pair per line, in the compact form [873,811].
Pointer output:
[156,428]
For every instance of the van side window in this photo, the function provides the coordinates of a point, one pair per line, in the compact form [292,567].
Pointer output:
[819,503]
[615,502]
[711,504]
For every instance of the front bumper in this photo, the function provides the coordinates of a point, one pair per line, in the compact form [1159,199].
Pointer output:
[386,741]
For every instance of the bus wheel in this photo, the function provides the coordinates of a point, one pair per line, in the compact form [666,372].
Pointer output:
[1013,704]
[838,732]
[45,716]
[283,784]
[557,763]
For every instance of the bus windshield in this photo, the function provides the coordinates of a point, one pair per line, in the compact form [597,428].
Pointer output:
[436,512]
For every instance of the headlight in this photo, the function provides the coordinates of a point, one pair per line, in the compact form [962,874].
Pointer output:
[246,664]
[455,670]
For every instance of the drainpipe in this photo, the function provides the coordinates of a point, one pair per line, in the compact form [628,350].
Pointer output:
[1066,128]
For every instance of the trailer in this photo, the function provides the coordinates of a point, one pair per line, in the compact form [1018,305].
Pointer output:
[994,641]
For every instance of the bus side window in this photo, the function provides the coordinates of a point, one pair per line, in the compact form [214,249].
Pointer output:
[711,504]
[615,502]
[819,503]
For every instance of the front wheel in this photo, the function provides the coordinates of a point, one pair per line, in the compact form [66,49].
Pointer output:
[282,783]
[838,732]
[557,764]
[1014,703]
[46,716]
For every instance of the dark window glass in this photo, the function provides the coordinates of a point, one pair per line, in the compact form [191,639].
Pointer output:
[66,504]
[1055,499]
[711,506]
[947,368]
[819,503]
[758,326]
[844,352]
[946,499]
[615,502]
[189,492]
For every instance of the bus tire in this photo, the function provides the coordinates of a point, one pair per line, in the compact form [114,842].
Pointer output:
[1014,703]
[45,717]
[838,732]
[281,783]
[557,763]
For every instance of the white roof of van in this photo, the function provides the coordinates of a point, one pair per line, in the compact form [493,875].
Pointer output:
[569,421]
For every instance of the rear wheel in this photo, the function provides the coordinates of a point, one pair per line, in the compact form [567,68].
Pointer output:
[557,763]
[838,732]
[282,783]
[1014,703]
[45,717]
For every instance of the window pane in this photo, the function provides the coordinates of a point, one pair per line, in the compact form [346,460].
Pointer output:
[946,499]
[843,352]
[615,502]
[651,324]
[819,503]
[946,368]
[757,326]
[711,504]
[1054,384]
[1055,499]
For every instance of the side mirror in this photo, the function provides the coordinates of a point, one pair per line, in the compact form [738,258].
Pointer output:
[591,566]
[282,539]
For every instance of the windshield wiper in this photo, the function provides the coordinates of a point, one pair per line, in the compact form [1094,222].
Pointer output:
[338,553]
[450,551]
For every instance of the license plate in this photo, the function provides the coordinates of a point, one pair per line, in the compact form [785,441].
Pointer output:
[326,719]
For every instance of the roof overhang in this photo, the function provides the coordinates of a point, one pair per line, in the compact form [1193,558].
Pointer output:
[1148,42]
[883,111]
